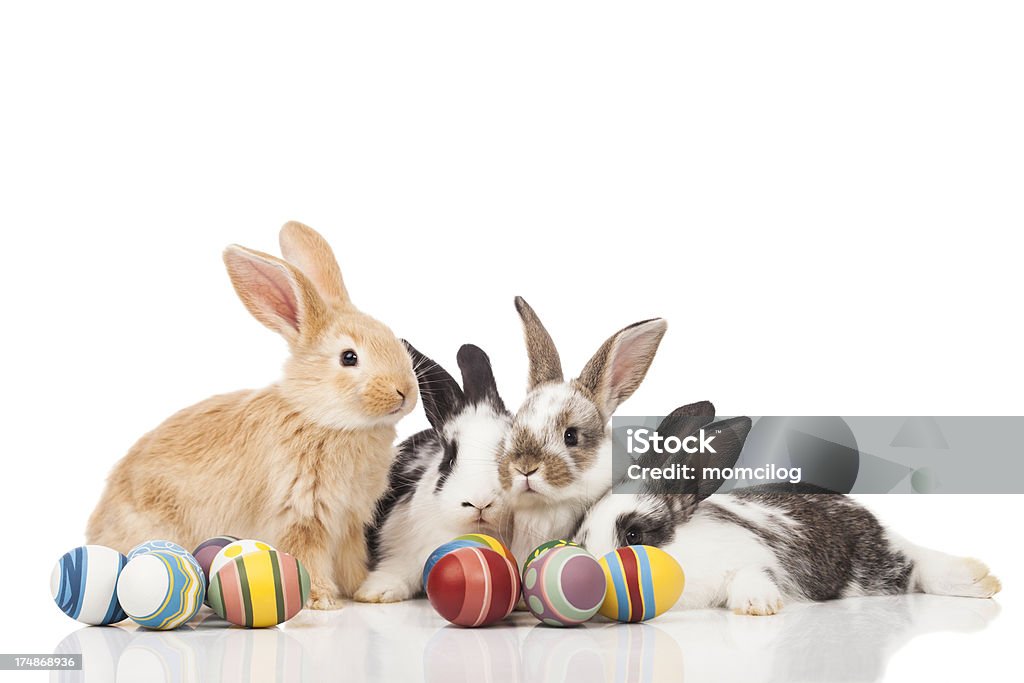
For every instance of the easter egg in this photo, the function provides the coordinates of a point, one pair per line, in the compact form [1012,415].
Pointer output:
[161,589]
[473,586]
[490,542]
[643,581]
[258,589]
[83,583]
[208,549]
[234,550]
[544,547]
[565,586]
[150,546]
[443,550]
[204,554]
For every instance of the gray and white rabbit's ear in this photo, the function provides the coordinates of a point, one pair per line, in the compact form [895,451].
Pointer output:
[307,250]
[619,366]
[730,435]
[276,293]
[442,397]
[688,419]
[478,383]
[682,422]
[545,365]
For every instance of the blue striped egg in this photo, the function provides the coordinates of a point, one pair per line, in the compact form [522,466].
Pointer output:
[83,583]
[161,589]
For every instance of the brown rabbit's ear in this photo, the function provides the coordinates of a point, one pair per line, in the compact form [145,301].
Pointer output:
[618,367]
[545,365]
[307,250]
[276,293]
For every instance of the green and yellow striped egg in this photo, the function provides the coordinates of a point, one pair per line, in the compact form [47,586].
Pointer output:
[643,582]
[544,547]
[259,589]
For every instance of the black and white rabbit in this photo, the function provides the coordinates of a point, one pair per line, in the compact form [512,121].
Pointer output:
[557,456]
[752,548]
[444,480]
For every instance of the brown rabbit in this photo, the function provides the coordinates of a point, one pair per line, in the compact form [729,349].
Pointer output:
[299,464]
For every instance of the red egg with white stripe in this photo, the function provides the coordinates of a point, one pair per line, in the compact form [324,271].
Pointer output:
[473,587]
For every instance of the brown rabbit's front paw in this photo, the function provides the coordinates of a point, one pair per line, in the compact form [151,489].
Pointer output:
[323,597]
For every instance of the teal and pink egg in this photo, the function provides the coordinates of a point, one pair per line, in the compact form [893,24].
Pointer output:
[544,547]
[83,583]
[564,586]
[161,589]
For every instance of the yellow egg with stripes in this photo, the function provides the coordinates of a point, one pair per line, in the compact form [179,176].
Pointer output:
[259,589]
[643,582]
[234,550]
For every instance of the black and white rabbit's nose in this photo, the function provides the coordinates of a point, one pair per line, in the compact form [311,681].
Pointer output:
[478,505]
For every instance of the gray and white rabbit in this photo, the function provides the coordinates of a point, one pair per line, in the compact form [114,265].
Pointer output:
[556,460]
[753,548]
[444,480]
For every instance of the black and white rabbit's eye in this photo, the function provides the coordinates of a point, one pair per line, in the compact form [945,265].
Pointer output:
[349,358]
[451,455]
[634,537]
[571,437]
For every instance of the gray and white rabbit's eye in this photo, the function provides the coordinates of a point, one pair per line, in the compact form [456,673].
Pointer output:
[633,536]
[571,437]
[349,358]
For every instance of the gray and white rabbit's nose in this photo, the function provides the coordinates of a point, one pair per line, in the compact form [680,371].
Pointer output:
[478,504]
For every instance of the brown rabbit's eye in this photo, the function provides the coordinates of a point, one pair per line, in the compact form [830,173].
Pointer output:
[349,358]
[571,437]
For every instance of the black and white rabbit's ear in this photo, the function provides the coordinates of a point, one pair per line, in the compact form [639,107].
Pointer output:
[729,437]
[478,381]
[441,394]
[545,364]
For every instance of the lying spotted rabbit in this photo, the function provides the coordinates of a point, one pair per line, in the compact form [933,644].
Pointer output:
[753,548]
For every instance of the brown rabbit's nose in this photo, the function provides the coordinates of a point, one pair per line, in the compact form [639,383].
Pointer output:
[527,474]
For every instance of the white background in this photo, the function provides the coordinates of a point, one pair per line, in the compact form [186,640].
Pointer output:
[823,199]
